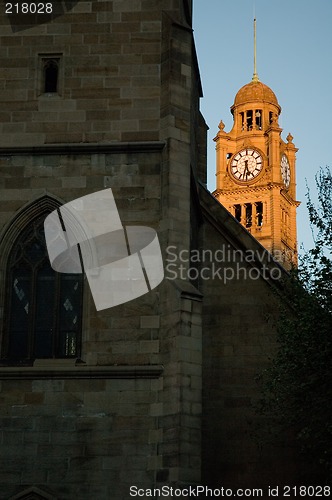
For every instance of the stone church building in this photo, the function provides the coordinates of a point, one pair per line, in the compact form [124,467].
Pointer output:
[160,390]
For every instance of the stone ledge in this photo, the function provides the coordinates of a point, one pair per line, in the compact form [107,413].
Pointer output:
[187,290]
[80,372]
[84,148]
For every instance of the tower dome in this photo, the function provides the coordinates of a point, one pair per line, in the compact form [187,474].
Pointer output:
[255,91]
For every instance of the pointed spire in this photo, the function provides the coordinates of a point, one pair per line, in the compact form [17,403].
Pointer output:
[255,75]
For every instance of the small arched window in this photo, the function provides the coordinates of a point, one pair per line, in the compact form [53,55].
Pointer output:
[42,308]
[51,75]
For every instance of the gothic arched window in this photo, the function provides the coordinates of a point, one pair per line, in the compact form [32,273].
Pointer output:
[33,493]
[42,308]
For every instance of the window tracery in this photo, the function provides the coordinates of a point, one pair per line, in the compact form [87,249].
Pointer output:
[42,307]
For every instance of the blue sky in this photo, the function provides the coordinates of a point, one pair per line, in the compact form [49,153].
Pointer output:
[294,44]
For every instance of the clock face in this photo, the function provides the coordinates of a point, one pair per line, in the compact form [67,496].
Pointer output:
[285,170]
[246,165]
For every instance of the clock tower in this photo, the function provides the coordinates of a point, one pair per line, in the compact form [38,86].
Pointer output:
[256,171]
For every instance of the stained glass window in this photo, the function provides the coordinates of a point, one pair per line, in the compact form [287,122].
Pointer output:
[43,308]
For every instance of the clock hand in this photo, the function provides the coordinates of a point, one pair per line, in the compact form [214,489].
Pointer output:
[246,170]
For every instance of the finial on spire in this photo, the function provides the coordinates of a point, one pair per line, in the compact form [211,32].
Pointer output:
[255,75]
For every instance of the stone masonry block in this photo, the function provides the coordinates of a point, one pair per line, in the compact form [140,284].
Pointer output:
[155,462]
[155,436]
[150,322]
[74,182]
[149,346]
[156,409]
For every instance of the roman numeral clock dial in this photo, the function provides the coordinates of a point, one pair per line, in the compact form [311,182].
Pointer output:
[246,165]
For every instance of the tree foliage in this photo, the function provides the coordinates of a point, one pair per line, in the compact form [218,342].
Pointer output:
[298,386]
